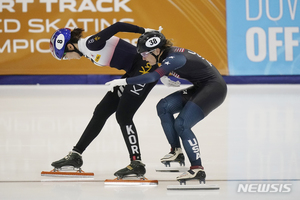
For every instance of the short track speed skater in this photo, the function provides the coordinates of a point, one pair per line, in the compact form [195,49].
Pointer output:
[133,174]
[69,166]
[193,174]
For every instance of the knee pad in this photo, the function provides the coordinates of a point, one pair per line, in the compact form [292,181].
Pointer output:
[179,126]
[161,107]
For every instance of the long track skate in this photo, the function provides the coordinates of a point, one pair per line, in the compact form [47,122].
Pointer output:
[133,174]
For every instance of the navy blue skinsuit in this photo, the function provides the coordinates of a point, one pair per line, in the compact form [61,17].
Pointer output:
[193,104]
[104,49]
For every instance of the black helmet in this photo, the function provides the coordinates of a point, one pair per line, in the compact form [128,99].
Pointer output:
[150,40]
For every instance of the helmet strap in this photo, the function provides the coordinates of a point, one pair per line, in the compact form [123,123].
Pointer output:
[74,50]
[155,56]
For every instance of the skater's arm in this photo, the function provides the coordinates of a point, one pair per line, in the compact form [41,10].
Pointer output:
[172,62]
[146,78]
[119,27]
[95,42]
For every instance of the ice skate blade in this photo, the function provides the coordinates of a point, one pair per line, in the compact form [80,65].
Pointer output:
[77,174]
[172,169]
[130,182]
[193,187]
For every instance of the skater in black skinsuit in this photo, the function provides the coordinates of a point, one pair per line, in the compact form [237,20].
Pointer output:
[105,49]
[193,104]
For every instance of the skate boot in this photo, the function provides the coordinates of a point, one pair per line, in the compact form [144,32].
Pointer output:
[135,168]
[69,166]
[175,155]
[73,159]
[194,173]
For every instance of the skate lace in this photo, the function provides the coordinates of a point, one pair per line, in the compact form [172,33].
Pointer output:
[67,157]
[187,173]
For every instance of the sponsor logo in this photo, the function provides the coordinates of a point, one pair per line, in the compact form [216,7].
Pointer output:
[146,69]
[97,57]
[91,41]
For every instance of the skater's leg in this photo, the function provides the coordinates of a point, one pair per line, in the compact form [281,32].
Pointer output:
[166,108]
[188,117]
[201,101]
[132,98]
[104,109]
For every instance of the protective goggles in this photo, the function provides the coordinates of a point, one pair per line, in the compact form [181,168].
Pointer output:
[144,54]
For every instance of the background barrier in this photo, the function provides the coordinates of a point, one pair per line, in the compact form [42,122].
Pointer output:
[26,27]
[249,41]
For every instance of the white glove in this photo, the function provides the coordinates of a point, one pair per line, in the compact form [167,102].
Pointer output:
[150,29]
[115,83]
[168,82]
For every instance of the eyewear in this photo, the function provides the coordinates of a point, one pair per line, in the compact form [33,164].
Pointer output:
[144,54]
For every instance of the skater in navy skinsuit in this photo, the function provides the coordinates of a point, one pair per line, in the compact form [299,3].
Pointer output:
[105,49]
[193,104]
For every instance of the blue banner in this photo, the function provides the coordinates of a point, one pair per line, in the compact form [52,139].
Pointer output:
[263,37]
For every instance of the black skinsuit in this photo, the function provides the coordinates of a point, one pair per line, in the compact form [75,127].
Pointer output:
[124,101]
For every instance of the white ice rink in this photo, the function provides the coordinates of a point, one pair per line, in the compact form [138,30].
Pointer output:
[252,138]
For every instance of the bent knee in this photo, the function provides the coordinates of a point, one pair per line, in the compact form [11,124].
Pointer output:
[161,107]
[123,118]
[180,126]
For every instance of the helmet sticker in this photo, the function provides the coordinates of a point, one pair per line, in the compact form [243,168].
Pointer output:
[152,42]
[60,40]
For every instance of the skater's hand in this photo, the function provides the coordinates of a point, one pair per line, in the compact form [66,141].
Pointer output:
[115,83]
[168,82]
